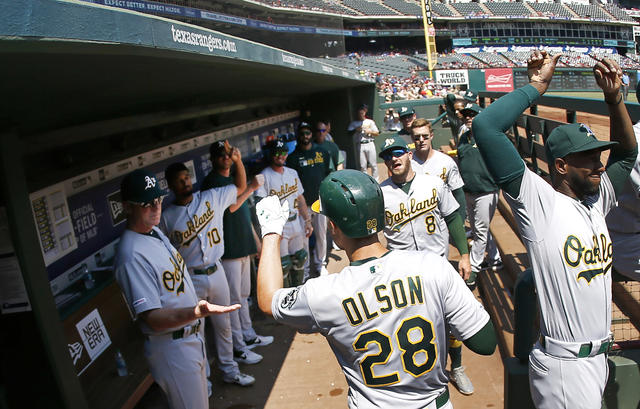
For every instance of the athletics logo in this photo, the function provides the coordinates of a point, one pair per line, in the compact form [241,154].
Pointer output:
[388,142]
[151,182]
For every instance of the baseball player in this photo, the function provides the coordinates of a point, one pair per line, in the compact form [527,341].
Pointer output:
[239,244]
[624,222]
[563,228]
[420,211]
[481,194]
[312,163]
[432,162]
[194,226]
[407,116]
[283,182]
[387,314]
[153,277]
[364,132]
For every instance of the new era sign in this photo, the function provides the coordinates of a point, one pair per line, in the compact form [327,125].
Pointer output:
[498,79]
[115,208]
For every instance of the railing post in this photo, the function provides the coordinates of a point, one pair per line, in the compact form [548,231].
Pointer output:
[571,117]
[534,109]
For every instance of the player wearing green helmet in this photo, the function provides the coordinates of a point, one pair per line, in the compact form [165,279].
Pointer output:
[387,314]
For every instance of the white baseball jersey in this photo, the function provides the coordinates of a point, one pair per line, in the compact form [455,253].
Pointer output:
[196,229]
[570,251]
[367,126]
[152,274]
[288,187]
[386,320]
[440,165]
[415,221]
[626,217]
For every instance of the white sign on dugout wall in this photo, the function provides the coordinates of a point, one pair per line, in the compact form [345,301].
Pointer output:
[452,77]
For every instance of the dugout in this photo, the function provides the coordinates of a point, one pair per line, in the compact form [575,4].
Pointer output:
[89,94]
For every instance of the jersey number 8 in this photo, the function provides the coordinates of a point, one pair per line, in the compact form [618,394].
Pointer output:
[430,221]
[410,348]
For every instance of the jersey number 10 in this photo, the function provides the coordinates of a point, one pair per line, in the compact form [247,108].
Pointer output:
[214,236]
[410,348]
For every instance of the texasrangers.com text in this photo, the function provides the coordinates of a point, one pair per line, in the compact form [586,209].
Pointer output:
[208,41]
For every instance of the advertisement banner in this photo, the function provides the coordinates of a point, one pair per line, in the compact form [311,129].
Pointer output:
[498,79]
[452,77]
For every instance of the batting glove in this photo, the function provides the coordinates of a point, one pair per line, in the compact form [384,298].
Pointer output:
[271,215]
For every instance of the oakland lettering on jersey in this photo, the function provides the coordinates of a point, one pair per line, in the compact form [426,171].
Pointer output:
[174,280]
[600,253]
[194,227]
[285,191]
[396,294]
[415,209]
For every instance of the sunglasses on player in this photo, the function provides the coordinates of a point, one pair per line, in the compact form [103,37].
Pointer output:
[393,153]
[155,202]
[425,136]
[321,130]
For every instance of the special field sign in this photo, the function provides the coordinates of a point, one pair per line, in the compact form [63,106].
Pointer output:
[452,77]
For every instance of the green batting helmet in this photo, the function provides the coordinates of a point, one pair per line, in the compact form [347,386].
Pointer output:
[353,201]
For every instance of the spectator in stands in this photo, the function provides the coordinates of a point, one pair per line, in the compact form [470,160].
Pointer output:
[364,131]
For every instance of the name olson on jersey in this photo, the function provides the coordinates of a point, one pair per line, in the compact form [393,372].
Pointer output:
[194,227]
[285,191]
[397,294]
[415,209]
[600,254]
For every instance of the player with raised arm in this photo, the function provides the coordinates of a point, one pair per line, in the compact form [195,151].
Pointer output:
[563,228]
[386,316]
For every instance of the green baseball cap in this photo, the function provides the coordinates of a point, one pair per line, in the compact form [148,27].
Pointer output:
[141,186]
[471,107]
[392,142]
[572,138]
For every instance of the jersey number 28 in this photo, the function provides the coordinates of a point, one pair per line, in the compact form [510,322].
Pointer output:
[410,348]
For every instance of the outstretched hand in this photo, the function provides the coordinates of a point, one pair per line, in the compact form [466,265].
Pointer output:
[608,77]
[540,67]
[205,308]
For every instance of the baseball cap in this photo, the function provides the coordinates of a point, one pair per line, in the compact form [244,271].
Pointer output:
[572,138]
[217,149]
[392,142]
[276,145]
[470,95]
[304,125]
[141,186]
[363,106]
[471,107]
[405,111]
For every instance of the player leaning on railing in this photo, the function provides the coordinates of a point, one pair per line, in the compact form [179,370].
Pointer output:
[563,228]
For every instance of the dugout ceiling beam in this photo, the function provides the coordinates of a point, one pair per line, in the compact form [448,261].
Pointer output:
[73,63]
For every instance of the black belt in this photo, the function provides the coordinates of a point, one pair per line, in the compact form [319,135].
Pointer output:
[292,217]
[208,271]
[186,331]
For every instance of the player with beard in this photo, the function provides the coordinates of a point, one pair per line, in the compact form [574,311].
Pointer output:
[420,212]
[562,226]
[312,163]
[194,224]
